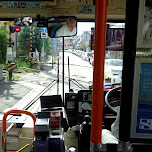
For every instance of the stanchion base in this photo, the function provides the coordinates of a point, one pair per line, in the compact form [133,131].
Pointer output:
[95,147]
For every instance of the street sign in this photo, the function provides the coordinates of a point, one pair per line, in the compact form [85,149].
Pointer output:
[44,35]
[44,30]
[9,57]
[11,67]
[10,44]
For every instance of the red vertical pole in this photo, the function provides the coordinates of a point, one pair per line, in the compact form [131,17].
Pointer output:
[98,73]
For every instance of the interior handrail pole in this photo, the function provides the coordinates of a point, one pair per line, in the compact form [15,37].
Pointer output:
[98,74]
[69,72]
[58,78]
[63,70]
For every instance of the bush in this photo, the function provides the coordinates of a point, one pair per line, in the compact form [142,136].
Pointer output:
[16,77]
[23,64]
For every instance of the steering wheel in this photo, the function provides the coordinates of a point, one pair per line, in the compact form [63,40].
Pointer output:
[112,99]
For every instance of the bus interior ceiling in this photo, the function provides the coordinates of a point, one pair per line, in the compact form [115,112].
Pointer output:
[116,10]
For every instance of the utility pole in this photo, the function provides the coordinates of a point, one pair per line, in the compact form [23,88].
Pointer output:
[10,59]
[44,35]
[11,67]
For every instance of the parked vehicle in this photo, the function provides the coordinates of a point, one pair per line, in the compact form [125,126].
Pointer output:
[84,56]
[110,81]
[115,65]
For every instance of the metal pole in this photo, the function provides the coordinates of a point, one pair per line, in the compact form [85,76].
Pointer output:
[52,60]
[10,73]
[4,141]
[58,79]
[69,72]
[63,69]
[98,74]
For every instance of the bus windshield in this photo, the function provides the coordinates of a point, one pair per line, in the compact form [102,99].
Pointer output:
[37,60]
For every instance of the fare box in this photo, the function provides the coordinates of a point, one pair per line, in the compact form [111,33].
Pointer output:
[55,119]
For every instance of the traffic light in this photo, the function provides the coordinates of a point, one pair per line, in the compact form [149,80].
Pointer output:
[17,29]
[12,29]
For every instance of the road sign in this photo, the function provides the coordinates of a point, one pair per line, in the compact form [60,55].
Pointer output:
[44,35]
[44,30]
[9,58]
[11,67]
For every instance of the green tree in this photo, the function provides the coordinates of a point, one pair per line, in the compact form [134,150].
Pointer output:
[23,40]
[3,45]
[37,39]
[48,46]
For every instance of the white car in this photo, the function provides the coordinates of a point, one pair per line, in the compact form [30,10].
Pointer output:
[110,80]
[115,65]
[84,56]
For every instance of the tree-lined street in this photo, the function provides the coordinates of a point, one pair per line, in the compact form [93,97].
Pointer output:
[81,71]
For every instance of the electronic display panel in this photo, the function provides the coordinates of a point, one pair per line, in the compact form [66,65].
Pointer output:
[114,39]
[141,119]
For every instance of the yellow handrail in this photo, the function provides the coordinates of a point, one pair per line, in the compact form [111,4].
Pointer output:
[23,148]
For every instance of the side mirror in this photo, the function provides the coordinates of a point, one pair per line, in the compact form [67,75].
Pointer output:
[63,26]
[23,21]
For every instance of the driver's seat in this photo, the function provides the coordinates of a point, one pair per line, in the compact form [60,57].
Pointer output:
[112,136]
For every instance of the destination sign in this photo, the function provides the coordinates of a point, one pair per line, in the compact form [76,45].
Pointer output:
[21,4]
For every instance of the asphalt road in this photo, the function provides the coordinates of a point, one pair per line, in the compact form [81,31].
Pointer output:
[16,94]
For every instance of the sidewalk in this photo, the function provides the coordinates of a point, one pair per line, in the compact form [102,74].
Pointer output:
[11,93]
[16,94]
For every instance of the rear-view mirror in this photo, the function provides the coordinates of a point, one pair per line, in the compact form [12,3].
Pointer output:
[63,26]
[23,21]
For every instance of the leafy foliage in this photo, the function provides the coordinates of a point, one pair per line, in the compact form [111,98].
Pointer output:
[3,46]
[24,41]
[48,46]
[37,39]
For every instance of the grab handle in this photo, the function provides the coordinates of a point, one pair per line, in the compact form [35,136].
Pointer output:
[4,123]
